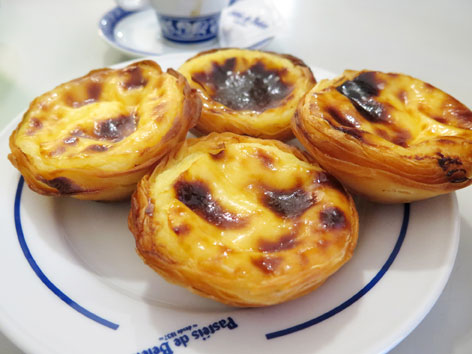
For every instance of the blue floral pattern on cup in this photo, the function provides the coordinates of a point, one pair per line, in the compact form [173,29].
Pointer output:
[189,29]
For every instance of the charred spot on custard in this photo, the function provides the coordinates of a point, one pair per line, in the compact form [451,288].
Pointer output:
[333,218]
[461,113]
[181,230]
[344,120]
[34,125]
[218,156]
[267,265]
[285,242]
[382,133]
[403,96]
[266,159]
[63,185]
[324,178]
[365,84]
[59,150]
[197,196]
[96,148]
[400,136]
[256,89]
[134,78]
[159,111]
[355,133]
[94,91]
[115,129]
[352,131]
[287,203]
[362,92]
[451,112]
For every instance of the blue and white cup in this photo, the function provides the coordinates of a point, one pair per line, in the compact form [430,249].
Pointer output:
[184,21]
[189,21]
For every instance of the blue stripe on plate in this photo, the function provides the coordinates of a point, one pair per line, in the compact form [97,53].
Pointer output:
[360,293]
[39,272]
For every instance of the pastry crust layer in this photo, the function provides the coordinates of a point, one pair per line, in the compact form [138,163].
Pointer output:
[248,92]
[389,137]
[244,221]
[94,137]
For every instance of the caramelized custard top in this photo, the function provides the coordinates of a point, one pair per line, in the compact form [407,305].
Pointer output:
[255,88]
[252,207]
[108,111]
[372,107]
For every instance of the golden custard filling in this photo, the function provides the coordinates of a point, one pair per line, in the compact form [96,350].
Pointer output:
[392,108]
[74,124]
[387,136]
[247,91]
[255,224]
[96,136]
[254,85]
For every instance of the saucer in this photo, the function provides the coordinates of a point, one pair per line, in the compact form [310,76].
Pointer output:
[136,33]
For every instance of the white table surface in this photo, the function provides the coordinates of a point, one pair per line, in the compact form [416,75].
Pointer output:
[44,43]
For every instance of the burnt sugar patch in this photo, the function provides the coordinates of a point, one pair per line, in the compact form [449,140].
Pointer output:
[182,230]
[333,218]
[284,242]
[266,159]
[93,91]
[96,148]
[287,203]
[257,88]
[197,196]
[266,264]
[133,78]
[325,179]
[342,118]
[362,92]
[218,155]
[115,129]
[34,125]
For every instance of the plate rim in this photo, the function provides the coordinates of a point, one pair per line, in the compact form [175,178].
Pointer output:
[13,331]
[106,27]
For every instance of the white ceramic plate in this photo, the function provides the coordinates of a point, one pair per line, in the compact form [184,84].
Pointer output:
[136,33]
[72,282]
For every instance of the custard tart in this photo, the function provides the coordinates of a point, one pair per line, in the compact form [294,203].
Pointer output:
[96,136]
[248,92]
[244,221]
[389,137]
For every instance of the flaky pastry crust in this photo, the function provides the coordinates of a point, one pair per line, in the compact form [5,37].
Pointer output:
[241,220]
[389,137]
[94,137]
[248,92]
